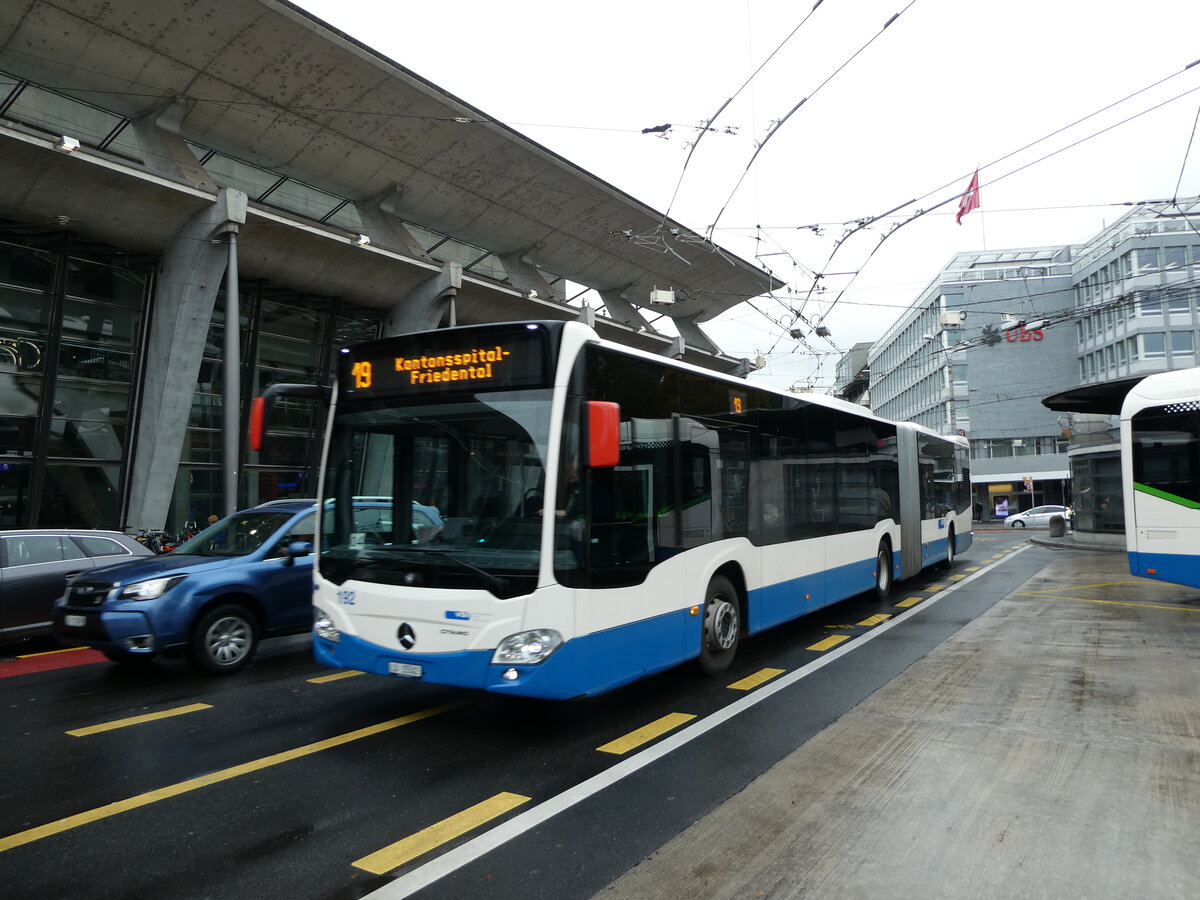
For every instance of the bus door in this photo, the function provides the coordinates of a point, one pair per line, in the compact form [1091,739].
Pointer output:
[621,533]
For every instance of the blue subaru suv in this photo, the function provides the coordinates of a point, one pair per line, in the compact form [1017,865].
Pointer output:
[246,577]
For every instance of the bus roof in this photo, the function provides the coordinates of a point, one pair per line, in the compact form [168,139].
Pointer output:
[1163,387]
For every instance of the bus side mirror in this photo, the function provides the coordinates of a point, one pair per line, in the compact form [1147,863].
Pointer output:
[260,408]
[258,413]
[604,434]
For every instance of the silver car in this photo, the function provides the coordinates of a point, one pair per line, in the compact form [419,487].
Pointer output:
[1038,517]
[36,563]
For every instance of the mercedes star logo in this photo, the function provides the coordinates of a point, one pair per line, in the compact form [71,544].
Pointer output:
[406,636]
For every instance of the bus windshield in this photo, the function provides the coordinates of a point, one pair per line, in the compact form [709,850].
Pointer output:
[472,472]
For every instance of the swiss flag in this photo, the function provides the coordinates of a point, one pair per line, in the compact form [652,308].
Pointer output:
[969,200]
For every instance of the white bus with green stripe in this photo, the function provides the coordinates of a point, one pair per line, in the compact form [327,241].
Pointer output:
[1160,468]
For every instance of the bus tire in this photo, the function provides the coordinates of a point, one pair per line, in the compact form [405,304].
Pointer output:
[722,626]
[951,550]
[883,573]
[224,640]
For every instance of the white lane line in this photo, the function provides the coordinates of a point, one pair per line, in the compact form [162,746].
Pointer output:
[465,854]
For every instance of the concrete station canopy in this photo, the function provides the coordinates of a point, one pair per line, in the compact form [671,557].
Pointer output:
[265,82]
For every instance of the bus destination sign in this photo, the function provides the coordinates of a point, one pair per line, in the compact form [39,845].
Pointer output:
[446,362]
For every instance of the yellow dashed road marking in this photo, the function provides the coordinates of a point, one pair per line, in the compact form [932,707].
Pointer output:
[934,588]
[875,620]
[174,790]
[832,641]
[138,720]
[336,676]
[910,601]
[752,681]
[646,733]
[971,569]
[955,577]
[383,861]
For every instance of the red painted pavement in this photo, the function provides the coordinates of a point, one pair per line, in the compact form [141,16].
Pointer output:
[45,662]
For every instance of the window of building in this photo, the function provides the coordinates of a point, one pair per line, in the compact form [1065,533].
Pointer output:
[1154,344]
[1147,260]
[1178,302]
[1150,304]
[1174,257]
[1182,342]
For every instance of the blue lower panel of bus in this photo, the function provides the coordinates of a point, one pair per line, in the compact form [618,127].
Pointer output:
[934,551]
[1177,568]
[777,603]
[585,665]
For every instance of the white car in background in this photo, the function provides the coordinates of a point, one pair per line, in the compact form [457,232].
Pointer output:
[1038,517]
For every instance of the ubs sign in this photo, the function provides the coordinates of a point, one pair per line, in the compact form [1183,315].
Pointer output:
[1020,334]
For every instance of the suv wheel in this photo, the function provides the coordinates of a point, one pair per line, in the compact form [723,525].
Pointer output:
[224,640]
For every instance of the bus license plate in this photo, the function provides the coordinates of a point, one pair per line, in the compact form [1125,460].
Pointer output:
[75,621]
[404,670]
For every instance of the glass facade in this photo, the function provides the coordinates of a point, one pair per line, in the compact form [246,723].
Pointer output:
[1098,500]
[71,318]
[73,333]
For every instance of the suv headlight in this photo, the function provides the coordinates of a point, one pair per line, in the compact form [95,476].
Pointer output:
[528,647]
[149,590]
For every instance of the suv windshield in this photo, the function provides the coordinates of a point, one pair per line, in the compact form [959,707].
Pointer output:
[474,466]
[235,535]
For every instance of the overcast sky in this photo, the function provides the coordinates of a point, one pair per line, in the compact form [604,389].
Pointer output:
[894,115]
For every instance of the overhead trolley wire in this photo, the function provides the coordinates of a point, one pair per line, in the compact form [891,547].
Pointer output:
[863,223]
[732,97]
[779,122]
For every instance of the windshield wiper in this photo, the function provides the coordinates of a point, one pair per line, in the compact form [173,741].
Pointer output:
[493,581]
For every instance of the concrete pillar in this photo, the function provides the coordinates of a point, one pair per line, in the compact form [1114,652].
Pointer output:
[424,306]
[184,297]
[165,151]
[675,349]
[383,225]
[621,310]
[525,276]
[695,338]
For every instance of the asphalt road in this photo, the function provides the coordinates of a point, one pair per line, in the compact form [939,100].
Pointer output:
[282,781]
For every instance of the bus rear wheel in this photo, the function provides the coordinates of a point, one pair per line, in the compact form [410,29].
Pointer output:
[883,573]
[722,626]
[951,550]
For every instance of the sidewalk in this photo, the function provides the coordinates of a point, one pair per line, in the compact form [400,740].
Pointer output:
[1051,748]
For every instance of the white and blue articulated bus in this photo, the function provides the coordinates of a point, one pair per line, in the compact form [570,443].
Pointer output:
[601,513]
[1160,470]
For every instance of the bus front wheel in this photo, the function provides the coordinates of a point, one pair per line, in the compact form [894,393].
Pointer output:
[722,626]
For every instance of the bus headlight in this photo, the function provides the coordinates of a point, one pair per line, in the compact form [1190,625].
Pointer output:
[527,648]
[323,627]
